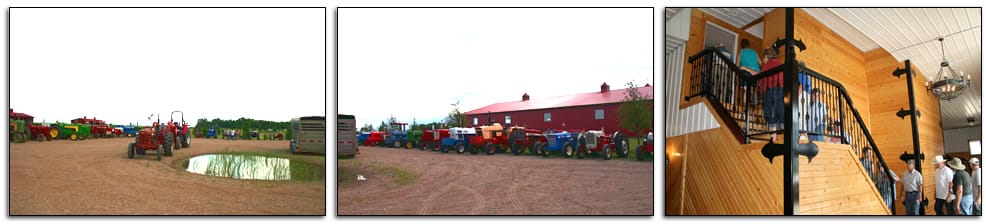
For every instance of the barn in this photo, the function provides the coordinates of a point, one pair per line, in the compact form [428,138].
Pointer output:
[583,111]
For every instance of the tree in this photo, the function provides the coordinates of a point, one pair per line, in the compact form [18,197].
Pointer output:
[636,112]
[366,127]
[414,124]
[383,127]
[455,118]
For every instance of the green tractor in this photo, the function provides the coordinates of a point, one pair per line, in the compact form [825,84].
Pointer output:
[413,139]
[18,132]
[70,131]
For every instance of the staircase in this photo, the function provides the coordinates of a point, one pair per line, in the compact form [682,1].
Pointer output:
[844,177]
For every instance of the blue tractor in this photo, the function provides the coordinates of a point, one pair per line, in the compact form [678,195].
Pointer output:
[563,142]
[458,139]
[211,133]
[127,130]
[397,135]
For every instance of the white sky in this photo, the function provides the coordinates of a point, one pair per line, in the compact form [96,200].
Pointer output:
[122,65]
[414,63]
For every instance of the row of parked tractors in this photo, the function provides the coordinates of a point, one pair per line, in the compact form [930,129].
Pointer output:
[220,133]
[23,128]
[493,139]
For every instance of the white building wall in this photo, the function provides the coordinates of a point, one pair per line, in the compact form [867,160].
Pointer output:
[696,117]
[957,140]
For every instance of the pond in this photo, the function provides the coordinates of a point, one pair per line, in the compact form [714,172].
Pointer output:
[252,167]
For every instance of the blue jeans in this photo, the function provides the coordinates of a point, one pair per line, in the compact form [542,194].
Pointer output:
[965,207]
[944,208]
[911,204]
[817,129]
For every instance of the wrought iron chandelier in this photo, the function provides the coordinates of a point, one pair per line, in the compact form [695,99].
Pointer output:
[948,84]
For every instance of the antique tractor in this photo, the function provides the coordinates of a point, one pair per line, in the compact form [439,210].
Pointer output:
[371,139]
[127,130]
[73,132]
[596,142]
[647,148]
[18,132]
[564,142]
[397,136]
[413,139]
[432,139]
[98,128]
[521,139]
[159,138]
[458,139]
[490,138]
[183,137]
[34,131]
[211,133]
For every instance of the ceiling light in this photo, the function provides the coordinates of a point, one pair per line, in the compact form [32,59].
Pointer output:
[948,84]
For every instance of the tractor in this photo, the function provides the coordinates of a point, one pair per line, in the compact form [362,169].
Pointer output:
[557,142]
[432,139]
[211,133]
[70,131]
[374,138]
[490,138]
[521,138]
[127,130]
[595,142]
[182,135]
[33,130]
[397,136]
[18,132]
[98,128]
[413,139]
[647,148]
[159,138]
[458,139]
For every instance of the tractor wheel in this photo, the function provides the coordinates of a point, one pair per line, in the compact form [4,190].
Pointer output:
[569,150]
[188,142]
[73,137]
[54,132]
[159,149]
[442,148]
[169,151]
[397,144]
[536,149]
[640,153]
[436,146]
[169,139]
[622,146]
[490,149]
[17,138]
[461,148]
[130,151]
[580,151]
[421,146]
[40,137]
[516,148]
[607,152]
[409,145]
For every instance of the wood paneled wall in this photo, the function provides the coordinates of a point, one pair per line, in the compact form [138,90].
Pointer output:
[835,183]
[696,42]
[893,134]
[674,181]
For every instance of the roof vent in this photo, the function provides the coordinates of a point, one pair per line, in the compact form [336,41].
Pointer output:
[525,97]
[604,88]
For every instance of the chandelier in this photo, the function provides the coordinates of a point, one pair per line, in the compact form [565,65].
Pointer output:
[948,84]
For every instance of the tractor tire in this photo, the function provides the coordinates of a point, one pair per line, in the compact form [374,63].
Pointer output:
[607,152]
[421,146]
[490,149]
[536,149]
[130,151]
[169,151]
[461,148]
[187,142]
[39,137]
[159,149]
[516,149]
[622,145]
[569,150]
[54,132]
[442,148]
[169,140]
[409,145]
[396,145]
[73,137]
[640,153]
[18,138]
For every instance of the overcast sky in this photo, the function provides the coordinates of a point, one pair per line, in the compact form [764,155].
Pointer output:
[122,65]
[413,62]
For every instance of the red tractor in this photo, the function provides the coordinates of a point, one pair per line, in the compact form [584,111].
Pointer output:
[521,138]
[646,149]
[432,139]
[182,136]
[35,131]
[595,142]
[99,128]
[373,139]
[159,138]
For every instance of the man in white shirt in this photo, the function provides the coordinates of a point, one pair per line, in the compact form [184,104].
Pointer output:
[977,186]
[943,181]
[912,182]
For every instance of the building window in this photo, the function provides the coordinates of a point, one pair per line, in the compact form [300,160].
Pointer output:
[600,114]
[506,119]
[975,147]
[547,117]
[475,121]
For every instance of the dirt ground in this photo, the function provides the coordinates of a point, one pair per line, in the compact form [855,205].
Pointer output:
[94,177]
[502,184]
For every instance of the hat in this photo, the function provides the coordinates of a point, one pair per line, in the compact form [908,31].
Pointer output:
[974,161]
[939,159]
[956,164]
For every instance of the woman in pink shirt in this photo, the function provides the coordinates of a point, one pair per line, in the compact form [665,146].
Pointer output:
[771,88]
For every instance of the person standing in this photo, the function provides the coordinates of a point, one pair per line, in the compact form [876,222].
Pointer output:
[943,178]
[885,184]
[977,187]
[867,161]
[912,189]
[962,187]
[772,90]
[749,63]
[817,112]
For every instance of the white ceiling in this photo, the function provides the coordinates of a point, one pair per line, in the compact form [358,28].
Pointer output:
[911,33]
[907,33]
[670,12]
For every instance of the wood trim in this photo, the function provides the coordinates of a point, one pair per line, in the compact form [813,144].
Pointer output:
[721,112]
[751,24]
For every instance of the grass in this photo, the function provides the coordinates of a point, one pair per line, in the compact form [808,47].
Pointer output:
[349,168]
[298,171]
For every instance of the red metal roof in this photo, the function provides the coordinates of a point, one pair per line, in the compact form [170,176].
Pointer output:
[581,99]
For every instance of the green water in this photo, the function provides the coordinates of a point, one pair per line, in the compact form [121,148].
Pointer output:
[252,167]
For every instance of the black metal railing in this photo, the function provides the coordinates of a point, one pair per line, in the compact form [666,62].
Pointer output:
[826,114]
